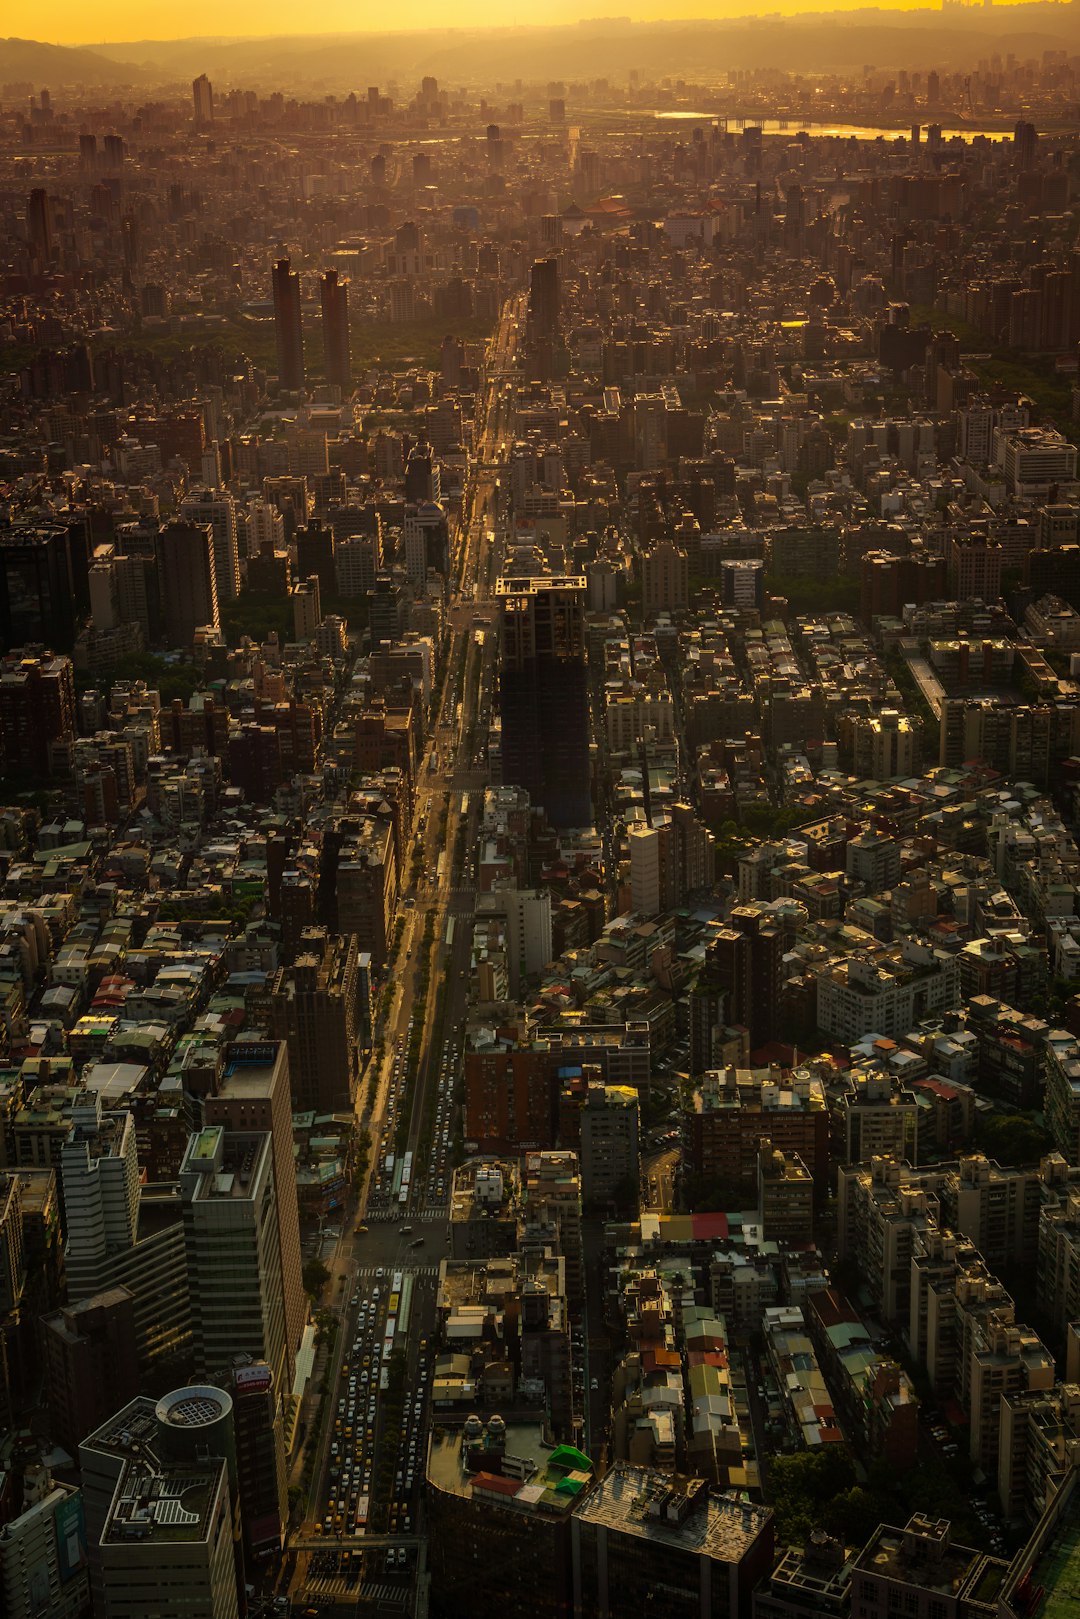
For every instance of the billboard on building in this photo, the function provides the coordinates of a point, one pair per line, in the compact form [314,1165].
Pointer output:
[70,1536]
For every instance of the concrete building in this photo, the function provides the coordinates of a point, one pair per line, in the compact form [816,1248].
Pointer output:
[313,1007]
[785,1196]
[609,1144]
[219,510]
[639,1531]
[918,1570]
[733,1109]
[233,1251]
[91,1362]
[189,592]
[543,694]
[500,1502]
[43,1557]
[254,1094]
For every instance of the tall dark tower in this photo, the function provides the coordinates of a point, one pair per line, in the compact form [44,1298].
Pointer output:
[337,351]
[544,694]
[288,326]
[39,227]
[544,297]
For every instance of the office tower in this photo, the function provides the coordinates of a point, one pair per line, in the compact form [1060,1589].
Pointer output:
[233,1249]
[288,327]
[337,346]
[120,1235]
[1025,144]
[37,708]
[543,693]
[261,1478]
[167,1544]
[202,96]
[544,297]
[90,1362]
[188,583]
[423,481]
[147,1456]
[426,539]
[254,1094]
[43,581]
[219,510]
[39,227]
[43,1563]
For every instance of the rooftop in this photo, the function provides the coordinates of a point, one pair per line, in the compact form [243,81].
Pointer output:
[526,1472]
[640,1502]
[922,1554]
[158,1505]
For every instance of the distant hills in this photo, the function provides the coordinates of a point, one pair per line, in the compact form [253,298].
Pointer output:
[841,41]
[29,60]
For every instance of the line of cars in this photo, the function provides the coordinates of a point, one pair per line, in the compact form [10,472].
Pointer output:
[382,1181]
[438,1179]
[352,1444]
[410,1447]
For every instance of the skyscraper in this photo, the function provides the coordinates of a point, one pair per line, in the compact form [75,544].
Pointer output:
[544,297]
[288,326]
[39,226]
[254,1094]
[188,585]
[543,693]
[233,1249]
[202,96]
[337,352]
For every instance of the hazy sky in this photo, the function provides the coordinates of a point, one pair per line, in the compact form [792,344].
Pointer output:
[69,22]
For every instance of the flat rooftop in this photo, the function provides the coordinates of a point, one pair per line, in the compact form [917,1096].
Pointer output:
[535,1476]
[896,1555]
[162,1504]
[719,1526]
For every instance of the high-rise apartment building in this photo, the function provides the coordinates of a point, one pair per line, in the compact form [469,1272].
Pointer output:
[37,708]
[543,693]
[202,97]
[337,346]
[313,1007]
[288,326]
[188,581]
[609,1144]
[219,510]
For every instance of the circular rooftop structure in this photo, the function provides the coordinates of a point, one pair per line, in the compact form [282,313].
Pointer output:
[193,1407]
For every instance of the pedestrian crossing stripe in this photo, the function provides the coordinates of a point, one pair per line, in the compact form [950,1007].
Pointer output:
[370,1272]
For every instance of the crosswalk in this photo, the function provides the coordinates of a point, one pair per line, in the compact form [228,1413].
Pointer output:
[430,1211]
[370,1273]
[391,1596]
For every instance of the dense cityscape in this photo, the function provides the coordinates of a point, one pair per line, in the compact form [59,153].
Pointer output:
[539,875]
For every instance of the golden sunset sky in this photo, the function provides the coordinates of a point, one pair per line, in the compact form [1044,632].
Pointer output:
[72,22]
